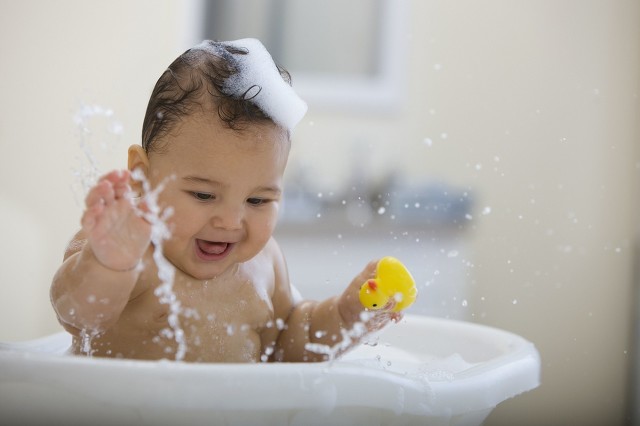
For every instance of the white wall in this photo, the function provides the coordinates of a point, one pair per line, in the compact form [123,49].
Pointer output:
[57,56]
[539,102]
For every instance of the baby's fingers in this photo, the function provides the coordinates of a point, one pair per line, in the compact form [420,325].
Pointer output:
[367,273]
[90,216]
[381,318]
[116,177]
[119,180]
[102,193]
[121,183]
[123,190]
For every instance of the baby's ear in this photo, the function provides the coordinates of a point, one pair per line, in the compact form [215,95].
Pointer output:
[138,159]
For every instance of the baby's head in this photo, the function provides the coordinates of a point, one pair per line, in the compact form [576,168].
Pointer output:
[216,138]
[238,81]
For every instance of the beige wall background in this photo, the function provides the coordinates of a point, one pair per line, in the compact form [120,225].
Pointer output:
[539,104]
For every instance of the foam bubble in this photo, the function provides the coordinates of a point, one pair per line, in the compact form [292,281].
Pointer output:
[274,96]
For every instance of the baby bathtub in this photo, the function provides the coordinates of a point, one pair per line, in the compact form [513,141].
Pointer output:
[421,371]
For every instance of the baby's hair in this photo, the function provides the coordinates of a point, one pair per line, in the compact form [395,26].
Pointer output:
[196,79]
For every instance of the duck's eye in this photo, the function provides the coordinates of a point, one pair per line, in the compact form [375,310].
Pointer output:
[374,305]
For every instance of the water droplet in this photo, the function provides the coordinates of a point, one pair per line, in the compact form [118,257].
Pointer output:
[486,210]
[116,128]
[320,333]
[453,253]
[465,303]
[381,210]
[428,142]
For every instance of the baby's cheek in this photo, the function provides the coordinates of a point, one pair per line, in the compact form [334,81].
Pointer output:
[266,224]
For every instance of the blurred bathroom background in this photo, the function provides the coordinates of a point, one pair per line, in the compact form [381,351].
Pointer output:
[494,146]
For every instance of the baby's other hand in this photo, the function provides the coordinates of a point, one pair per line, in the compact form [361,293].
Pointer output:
[115,231]
[352,310]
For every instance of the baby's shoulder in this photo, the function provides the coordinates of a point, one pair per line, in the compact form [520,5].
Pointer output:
[268,263]
[274,255]
[272,248]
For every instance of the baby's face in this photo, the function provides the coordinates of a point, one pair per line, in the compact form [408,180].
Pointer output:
[225,190]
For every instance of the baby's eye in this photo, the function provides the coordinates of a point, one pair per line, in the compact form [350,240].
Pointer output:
[203,196]
[256,201]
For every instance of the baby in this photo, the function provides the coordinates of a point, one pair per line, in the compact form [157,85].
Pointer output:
[216,136]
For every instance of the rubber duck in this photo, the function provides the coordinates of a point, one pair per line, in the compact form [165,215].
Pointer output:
[392,279]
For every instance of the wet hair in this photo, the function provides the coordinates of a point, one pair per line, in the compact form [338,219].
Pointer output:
[195,81]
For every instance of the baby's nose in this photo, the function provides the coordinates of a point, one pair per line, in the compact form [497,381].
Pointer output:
[228,217]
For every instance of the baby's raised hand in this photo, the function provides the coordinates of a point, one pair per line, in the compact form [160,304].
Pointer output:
[112,224]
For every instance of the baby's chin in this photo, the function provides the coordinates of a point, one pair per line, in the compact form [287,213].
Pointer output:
[209,275]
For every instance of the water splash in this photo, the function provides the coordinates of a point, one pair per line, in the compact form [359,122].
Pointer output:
[332,352]
[89,170]
[87,337]
[92,121]
[160,232]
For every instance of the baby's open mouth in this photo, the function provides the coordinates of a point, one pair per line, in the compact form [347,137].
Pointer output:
[212,250]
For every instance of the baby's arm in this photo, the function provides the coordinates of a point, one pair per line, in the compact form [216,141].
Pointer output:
[99,272]
[326,322]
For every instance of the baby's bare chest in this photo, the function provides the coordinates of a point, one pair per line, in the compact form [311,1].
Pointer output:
[213,321]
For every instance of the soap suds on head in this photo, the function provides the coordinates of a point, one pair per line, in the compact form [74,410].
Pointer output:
[258,79]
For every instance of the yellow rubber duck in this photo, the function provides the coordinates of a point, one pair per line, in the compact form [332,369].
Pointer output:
[392,280]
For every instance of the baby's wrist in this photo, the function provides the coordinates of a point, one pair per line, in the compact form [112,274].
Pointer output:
[349,308]
[135,268]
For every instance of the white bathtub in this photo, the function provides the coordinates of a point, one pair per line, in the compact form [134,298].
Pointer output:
[422,371]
